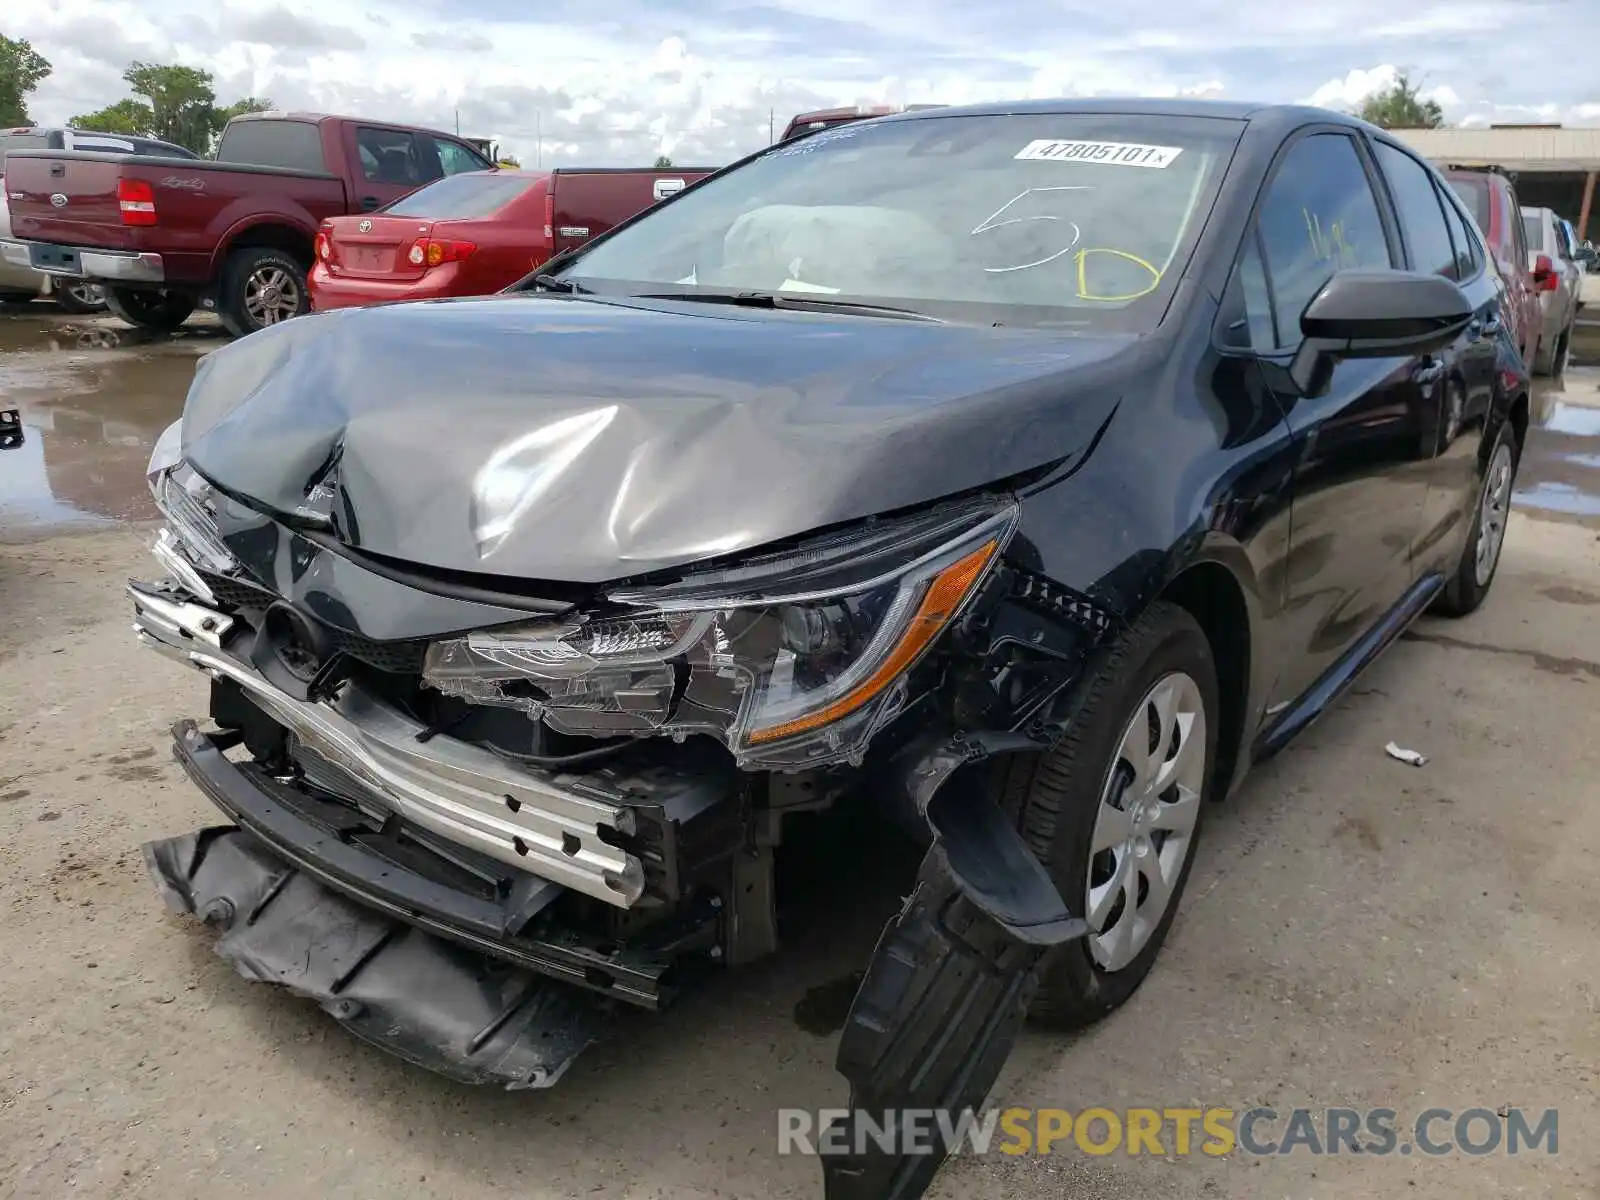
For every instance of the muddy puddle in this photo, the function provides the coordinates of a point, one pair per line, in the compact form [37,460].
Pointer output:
[93,398]
[1560,474]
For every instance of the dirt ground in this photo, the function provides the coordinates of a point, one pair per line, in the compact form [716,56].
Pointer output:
[1357,932]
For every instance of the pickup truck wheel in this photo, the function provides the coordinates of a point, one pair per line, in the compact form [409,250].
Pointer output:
[157,311]
[79,299]
[261,286]
[1114,809]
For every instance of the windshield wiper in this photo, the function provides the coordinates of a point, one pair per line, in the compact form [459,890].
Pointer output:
[807,301]
[555,283]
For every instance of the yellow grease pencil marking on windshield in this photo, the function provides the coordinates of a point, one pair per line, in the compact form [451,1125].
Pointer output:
[1083,281]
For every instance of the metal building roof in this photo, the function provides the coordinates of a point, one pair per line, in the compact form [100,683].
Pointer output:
[1527,148]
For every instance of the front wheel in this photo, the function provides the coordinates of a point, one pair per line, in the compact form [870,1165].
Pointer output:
[1480,557]
[1114,809]
[261,286]
[157,311]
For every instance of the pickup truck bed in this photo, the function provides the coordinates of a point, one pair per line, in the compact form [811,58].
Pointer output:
[166,235]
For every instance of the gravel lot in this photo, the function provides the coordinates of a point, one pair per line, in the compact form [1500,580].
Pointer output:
[1356,932]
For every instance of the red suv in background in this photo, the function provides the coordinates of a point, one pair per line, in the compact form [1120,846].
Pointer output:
[1489,197]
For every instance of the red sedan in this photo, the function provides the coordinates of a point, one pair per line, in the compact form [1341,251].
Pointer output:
[475,233]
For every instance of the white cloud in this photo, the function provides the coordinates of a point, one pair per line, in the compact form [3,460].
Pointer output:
[620,83]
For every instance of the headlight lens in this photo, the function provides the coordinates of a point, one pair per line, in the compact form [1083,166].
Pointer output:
[784,674]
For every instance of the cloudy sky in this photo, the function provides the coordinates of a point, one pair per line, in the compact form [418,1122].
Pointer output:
[619,81]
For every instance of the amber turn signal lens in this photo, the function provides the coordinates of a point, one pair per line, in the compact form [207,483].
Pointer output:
[940,603]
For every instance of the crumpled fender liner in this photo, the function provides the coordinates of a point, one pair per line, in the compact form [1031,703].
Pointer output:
[930,1028]
[430,1001]
[987,858]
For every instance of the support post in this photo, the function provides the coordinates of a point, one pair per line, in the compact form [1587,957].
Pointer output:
[1586,206]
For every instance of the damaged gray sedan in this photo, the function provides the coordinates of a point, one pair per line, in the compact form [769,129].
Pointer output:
[1022,474]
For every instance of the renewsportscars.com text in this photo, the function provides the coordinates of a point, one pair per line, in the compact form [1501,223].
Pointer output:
[1175,1131]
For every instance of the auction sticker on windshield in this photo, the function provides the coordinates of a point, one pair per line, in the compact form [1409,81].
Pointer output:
[1121,154]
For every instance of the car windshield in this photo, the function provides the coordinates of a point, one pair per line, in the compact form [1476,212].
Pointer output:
[459,197]
[1067,219]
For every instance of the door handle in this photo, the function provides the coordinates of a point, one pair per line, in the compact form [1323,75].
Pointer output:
[368,203]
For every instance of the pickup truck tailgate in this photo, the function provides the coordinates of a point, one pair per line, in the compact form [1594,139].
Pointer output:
[70,198]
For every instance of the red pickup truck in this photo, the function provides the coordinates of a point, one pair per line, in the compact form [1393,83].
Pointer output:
[234,233]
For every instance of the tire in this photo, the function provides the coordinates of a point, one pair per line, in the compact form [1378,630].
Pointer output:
[80,299]
[157,311]
[261,286]
[1058,797]
[1473,578]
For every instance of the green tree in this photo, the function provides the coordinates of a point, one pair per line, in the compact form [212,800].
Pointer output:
[22,68]
[238,108]
[663,163]
[132,117]
[509,160]
[1400,106]
[183,104]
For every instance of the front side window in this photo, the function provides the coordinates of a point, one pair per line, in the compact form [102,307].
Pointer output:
[1068,219]
[456,159]
[1422,221]
[1319,216]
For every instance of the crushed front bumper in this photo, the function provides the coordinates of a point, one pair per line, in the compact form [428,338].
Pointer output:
[421,997]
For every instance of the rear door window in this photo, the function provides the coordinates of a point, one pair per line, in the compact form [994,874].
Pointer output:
[1519,239]
[461,197]
[296,145]
[1469,245]
[1422,221]
[1474,194]
[1319,216]
[1533,231]
[391,156]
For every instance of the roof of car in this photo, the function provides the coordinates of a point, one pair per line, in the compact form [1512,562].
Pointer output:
[1288,115]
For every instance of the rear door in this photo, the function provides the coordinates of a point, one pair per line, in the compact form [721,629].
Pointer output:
[1358,486]
[1454,386]
[388,163]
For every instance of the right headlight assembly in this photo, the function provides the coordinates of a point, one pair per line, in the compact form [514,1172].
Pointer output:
[791,660]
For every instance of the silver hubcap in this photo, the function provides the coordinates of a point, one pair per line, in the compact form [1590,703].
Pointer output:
[1148,809]
[87,293]
[271,294]
[1492,509]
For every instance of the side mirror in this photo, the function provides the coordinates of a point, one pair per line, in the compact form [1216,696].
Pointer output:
[1375,314]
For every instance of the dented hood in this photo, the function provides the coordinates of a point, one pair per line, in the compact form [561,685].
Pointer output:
[567,439]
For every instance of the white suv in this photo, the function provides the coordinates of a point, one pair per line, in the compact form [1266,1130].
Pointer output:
[1557,277]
